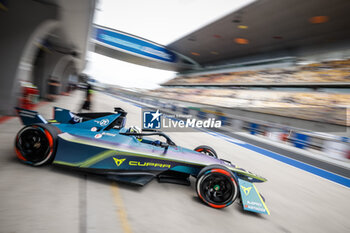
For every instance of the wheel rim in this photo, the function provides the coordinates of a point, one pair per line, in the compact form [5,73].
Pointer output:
[33,144]
[217,188]
[207,152]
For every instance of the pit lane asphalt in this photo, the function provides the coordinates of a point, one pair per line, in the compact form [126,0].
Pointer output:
[333,171]
[49,199]
[336,169]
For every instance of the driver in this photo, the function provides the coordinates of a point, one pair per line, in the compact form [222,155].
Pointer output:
[135,129]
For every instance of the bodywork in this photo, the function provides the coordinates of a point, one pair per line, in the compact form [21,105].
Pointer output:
[101,145]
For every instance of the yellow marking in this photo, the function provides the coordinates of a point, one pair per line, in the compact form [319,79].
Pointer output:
[133,163]
[246,190]
[118,161]
[121,209]
[262,201]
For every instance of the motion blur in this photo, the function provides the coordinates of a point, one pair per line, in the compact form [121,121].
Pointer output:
[271,78]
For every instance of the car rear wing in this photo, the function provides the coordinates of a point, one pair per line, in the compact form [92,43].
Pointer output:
[62,115]
[29,117]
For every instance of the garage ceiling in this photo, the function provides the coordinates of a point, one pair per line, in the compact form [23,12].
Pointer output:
[266,26]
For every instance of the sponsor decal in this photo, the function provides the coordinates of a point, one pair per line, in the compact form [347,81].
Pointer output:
[118,161]
[104,122]
[246,190]
[109,134]
[255,206]
[133,45]
[103,134]
[251,198]
[93,129]
[77,119]
[148,164]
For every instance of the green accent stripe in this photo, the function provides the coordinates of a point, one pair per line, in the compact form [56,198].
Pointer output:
[126,153]
[97,158]
[66,163]
[109,153]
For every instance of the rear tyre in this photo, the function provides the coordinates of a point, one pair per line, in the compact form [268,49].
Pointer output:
[216,186]
[36,144]
[206,150]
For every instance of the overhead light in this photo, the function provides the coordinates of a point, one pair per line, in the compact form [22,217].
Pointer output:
[319,19]
[242,27]
[241,41]
[214,52]
[194,53]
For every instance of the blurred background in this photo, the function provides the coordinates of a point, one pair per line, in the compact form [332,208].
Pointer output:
[276,73]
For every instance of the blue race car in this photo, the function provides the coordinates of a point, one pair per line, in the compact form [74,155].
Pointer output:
[100,143]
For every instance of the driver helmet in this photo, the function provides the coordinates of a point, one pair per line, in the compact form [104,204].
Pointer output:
[135,129]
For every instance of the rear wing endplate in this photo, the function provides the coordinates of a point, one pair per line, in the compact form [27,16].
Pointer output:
[29,117]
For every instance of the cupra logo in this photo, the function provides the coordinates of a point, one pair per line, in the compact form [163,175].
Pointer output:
[246,190]
[118,161]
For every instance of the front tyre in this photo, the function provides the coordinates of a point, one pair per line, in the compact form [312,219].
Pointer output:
[36,144]
[216,186]
[206,150]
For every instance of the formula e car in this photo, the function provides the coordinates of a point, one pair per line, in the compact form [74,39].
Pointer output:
[100,143]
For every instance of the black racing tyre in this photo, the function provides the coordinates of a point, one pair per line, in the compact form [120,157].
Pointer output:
[36,144]
[216,186]
[206,150]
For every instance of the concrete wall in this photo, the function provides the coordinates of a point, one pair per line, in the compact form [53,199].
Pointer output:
[70,69]
[22,26]
[65,67]
[52,64]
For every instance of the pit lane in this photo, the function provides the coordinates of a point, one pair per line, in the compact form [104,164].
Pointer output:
[49,199]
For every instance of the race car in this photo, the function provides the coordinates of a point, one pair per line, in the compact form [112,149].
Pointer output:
[100,143]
